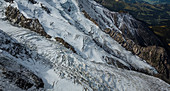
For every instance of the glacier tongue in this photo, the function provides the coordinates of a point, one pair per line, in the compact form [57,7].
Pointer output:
[63,70]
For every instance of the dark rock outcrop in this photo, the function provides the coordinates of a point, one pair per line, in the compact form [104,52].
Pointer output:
[87,16]
[18,18]
[154,55]
[14,16]
[60,40]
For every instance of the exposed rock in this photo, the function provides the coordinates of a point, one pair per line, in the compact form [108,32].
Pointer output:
[135,36]
[115,62]
[155,56]
[32,1]
[65,44]
[107,30]
[91,19]
[132,29]
[16,17]
[119,38]
[136,49]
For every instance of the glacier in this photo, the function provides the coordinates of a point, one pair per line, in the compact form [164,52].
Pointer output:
[60,68]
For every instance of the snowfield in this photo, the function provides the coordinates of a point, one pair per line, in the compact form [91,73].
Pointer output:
[60,68]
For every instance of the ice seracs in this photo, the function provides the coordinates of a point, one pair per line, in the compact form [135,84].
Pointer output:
[59,67]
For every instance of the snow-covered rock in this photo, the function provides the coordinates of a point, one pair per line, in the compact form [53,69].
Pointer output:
[60,68]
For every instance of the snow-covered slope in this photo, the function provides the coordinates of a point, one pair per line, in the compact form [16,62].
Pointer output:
[78,31]
[60,68]
[124,23]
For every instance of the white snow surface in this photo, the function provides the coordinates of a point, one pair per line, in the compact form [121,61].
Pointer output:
[74,72]
[78,31]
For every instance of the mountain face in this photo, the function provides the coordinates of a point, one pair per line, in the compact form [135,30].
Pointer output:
[155,16]
[77,45]
[130,33]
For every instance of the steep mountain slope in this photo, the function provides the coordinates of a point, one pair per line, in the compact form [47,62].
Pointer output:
[130,33]
[156,16]
[65,49]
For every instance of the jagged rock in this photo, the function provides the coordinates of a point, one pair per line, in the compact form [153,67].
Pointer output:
[155,56]
[119,38]
[16,17]
[65,44]
[115,62]
[107,30]
[91,19]
[136,49]
[124,44]
[112,33]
